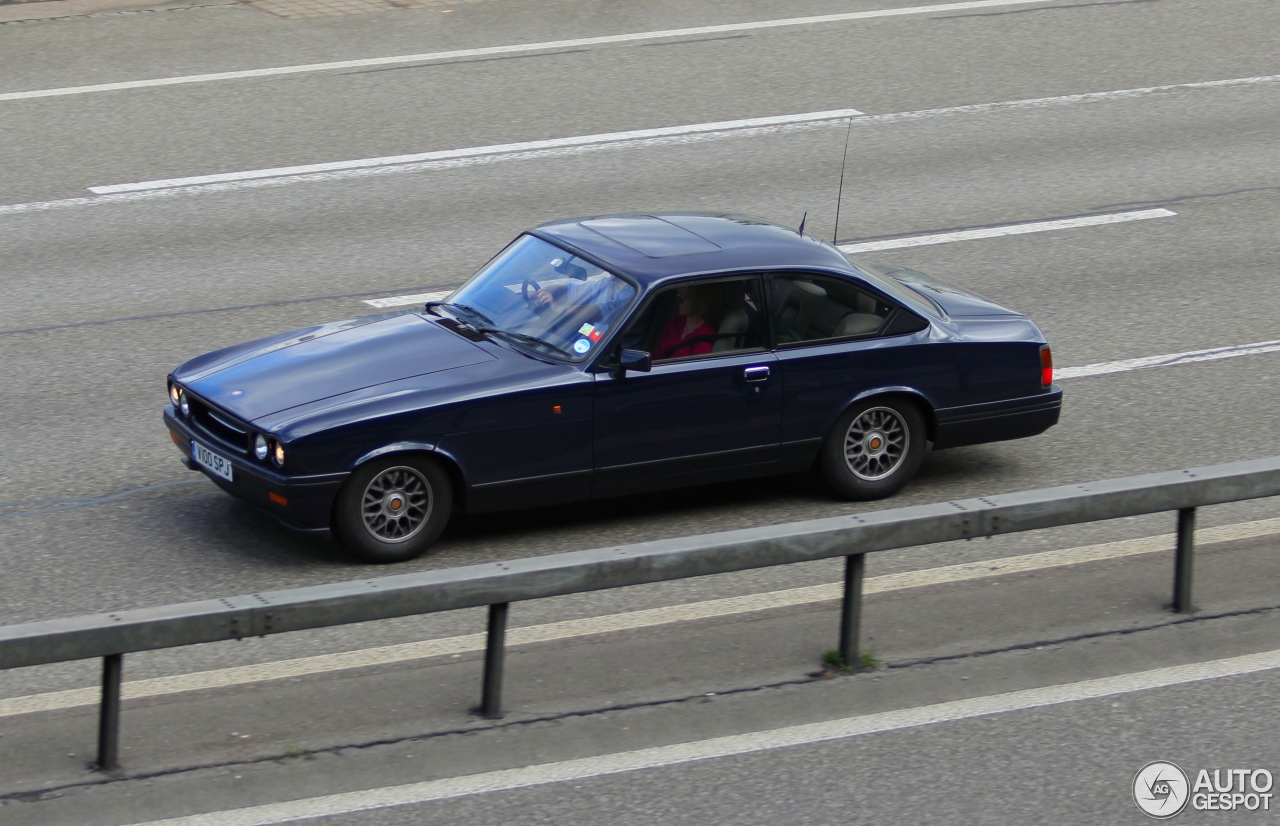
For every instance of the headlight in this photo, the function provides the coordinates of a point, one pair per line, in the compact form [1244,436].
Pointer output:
[260,448]
[183,404]
[277,454]
[174,393]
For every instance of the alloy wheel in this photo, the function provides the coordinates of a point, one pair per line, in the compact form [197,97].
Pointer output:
[396,504]
[876,443]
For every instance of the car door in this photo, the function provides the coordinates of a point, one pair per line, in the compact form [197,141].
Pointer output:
[835,338]
[711,406]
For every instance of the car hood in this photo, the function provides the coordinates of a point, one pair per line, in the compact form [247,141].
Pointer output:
[274,374]
[957,302]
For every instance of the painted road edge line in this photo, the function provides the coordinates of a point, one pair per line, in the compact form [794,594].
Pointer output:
[730,746]
[1007,230]
[476,151]
[550,45]
[588,626]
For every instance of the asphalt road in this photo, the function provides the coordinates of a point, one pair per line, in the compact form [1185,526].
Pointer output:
[99,298]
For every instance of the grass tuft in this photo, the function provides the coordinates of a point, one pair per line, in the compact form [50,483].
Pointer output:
[834,661]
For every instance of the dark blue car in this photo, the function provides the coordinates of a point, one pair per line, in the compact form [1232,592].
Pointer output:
[604,356]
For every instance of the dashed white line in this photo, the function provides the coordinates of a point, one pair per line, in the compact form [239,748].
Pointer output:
[568,629]
[640,137]
[1125,365]
[404,300]
[486,155]
[551,45]
[897,243]
[731,746]
[1006,230]
[475,151]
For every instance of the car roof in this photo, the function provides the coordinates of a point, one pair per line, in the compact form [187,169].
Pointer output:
[654,246]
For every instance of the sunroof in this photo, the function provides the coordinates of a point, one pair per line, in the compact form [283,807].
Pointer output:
[649,236]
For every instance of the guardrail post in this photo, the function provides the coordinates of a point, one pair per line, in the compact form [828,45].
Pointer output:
[494,652]
[109,713]
[851,609]
[1184,561]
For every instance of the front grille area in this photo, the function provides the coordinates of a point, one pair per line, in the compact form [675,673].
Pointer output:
[220,427]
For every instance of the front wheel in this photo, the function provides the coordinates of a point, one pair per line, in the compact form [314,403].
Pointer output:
[873,449]
[393,509]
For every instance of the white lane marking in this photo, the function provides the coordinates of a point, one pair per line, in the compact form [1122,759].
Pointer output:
[499,149]
[550,45]
[730,746]
[1007,229]
[588,626]
[1125,365]
[402,300]
[453,163]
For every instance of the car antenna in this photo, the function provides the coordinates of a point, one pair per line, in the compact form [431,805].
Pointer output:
[844,158]
[802,220]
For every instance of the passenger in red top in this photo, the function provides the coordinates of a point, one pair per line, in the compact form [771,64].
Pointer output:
[689,333]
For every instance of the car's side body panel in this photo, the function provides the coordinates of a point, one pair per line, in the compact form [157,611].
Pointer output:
[691,420]
[528,444]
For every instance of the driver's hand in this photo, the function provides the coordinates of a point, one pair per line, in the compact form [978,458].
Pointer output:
[543,298]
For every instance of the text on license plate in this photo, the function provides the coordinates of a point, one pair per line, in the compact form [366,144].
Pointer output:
[211,461]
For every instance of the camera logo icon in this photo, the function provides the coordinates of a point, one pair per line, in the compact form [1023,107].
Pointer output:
[1161,789]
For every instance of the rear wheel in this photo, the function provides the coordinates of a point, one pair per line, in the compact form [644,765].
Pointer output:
[873,449]
[393,509]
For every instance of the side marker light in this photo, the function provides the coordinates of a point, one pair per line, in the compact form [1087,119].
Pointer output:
[277,498]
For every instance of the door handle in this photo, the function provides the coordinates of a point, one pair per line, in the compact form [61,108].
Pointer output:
[756,373]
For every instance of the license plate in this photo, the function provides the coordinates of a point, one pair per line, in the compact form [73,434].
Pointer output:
[210,461]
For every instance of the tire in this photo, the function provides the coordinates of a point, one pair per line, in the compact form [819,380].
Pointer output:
[365,518]
[855,466]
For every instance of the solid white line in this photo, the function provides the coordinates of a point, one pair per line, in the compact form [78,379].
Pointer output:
[474,151]
[613,623]
[1125,365]
[550,45]
[402,300]
[1008,229]
[731,746]
[453,163]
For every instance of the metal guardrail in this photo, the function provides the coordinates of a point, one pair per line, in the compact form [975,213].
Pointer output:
[496,585]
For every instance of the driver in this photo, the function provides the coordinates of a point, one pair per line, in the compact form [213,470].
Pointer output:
[611,295]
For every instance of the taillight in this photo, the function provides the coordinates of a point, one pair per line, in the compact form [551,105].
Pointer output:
[1046,366]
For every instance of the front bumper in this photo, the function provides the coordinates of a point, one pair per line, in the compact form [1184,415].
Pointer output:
[307,500]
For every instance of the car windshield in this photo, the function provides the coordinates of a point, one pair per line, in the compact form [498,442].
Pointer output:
[541,296]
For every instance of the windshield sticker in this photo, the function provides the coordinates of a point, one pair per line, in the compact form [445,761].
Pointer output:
[581,346]
[595,334]
[585,330]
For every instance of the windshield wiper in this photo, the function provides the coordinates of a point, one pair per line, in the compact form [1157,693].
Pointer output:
[527,339]
[469,310]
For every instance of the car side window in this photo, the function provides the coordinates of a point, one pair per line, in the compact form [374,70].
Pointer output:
[701,318]
[807,308]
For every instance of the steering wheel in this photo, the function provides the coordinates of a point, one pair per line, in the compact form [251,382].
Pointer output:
[529,297]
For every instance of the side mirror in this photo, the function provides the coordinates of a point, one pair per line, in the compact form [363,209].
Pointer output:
[635,360]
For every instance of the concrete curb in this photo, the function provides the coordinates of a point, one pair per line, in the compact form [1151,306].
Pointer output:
[12,11]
